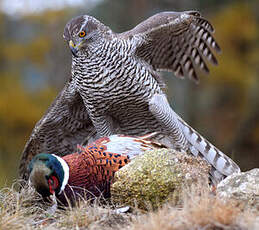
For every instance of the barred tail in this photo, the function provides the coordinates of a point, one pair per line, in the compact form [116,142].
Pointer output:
[222,165]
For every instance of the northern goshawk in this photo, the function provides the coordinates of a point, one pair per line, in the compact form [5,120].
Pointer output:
[115,86]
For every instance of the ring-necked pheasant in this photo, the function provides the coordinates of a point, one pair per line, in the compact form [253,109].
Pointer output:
[87,172]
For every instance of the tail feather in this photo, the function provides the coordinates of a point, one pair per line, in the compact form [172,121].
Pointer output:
[200,146]
[186,137]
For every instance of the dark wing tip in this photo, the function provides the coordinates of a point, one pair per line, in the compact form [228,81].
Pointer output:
[193,75]
[179,71]
[214,60]
[217,48]
[205,24]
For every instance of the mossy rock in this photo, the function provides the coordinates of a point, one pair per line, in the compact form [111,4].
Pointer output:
[156,177]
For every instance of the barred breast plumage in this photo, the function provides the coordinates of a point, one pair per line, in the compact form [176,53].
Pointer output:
[117,90]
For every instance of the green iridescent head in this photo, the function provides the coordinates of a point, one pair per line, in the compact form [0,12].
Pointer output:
[48,174]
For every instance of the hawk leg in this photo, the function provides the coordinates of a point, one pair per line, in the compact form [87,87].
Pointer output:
[161,109]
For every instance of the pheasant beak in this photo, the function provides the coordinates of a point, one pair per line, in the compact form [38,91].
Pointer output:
[74,48]
[38,178]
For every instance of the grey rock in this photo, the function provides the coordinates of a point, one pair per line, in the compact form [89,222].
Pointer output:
[243,187]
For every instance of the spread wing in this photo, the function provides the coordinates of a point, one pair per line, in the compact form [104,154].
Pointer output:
[175,41]
[65,124]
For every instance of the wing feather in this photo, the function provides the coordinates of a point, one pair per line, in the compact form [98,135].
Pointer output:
[180,42]
[65,124]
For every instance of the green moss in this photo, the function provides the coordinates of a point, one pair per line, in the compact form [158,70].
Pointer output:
[156,177]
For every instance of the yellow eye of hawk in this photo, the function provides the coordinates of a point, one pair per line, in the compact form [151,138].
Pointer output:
[82,34]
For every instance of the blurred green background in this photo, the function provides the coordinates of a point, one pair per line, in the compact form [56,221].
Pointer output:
[35,63]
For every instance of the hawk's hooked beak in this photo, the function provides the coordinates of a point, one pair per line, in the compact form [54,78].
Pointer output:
[74,48]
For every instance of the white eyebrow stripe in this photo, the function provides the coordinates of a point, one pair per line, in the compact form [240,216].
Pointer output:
[84,23]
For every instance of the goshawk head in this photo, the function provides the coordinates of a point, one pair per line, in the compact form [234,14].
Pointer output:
[81,31]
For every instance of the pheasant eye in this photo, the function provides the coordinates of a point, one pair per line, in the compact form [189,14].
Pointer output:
[82,34]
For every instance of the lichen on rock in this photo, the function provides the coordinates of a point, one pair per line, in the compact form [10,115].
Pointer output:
[156,177]
[242,187]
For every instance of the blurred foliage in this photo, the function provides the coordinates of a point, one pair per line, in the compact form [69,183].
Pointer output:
[235,83]
[35,63]
[19,110]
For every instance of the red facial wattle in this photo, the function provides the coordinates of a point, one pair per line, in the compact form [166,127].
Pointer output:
[53,184]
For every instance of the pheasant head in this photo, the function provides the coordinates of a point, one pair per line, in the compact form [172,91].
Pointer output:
[48,174]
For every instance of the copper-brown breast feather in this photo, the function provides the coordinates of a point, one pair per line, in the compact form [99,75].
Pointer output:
[92,165]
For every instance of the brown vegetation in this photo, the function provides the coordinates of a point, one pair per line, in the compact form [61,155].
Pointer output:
[200,210]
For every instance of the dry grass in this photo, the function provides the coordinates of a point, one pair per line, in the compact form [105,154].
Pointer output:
[200,210]
[26,210]
[18,207]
